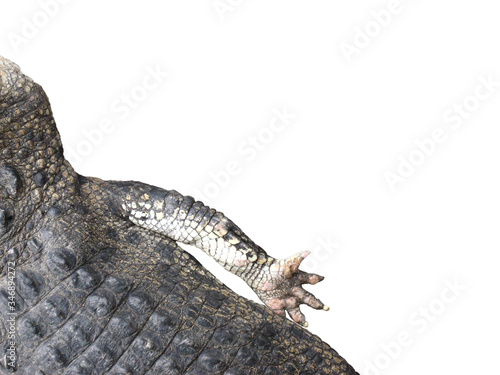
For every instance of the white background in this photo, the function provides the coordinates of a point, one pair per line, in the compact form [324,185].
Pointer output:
[322,178]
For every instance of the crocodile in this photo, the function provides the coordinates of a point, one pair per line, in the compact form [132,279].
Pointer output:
[94,280]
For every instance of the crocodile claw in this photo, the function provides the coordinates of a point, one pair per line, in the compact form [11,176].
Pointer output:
[283,293]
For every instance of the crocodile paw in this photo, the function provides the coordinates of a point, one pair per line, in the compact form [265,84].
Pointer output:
[281,288]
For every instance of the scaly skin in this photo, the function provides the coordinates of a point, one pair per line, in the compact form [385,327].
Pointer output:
[276,282]
[102,285]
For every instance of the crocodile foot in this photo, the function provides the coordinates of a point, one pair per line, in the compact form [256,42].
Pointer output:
[281,288]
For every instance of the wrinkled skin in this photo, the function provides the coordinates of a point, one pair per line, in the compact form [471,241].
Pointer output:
[99,290]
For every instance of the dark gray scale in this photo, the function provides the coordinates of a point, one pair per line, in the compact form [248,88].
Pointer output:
[66,249]
[247,356]
[6,305]
[191,341]
[225,313]
[55,309]
[163,327]
[62,260]
[125,323]
[159,329]
[34,245]
[6,218]
[214,298]
[40,179]
[144,350]
[32,370]
[83,367]
[176,297]
[210,362]
[30,285]
[192,311]
[172,202]
[206,322]
[103,256]
[240,371]
[99,356]
[13,255]
[100,303]
[243,344]
[163,322]
[83,328]
[78,333]
[122,326]
[140,302]
[10,180]
[117,284]
[54,211]
[263,343]
[52,356]
[187,345]
[167,364]
[291,368]
[125,370]
[31,329]
[273,370]
[85,278]
[224,337]
[48,316]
